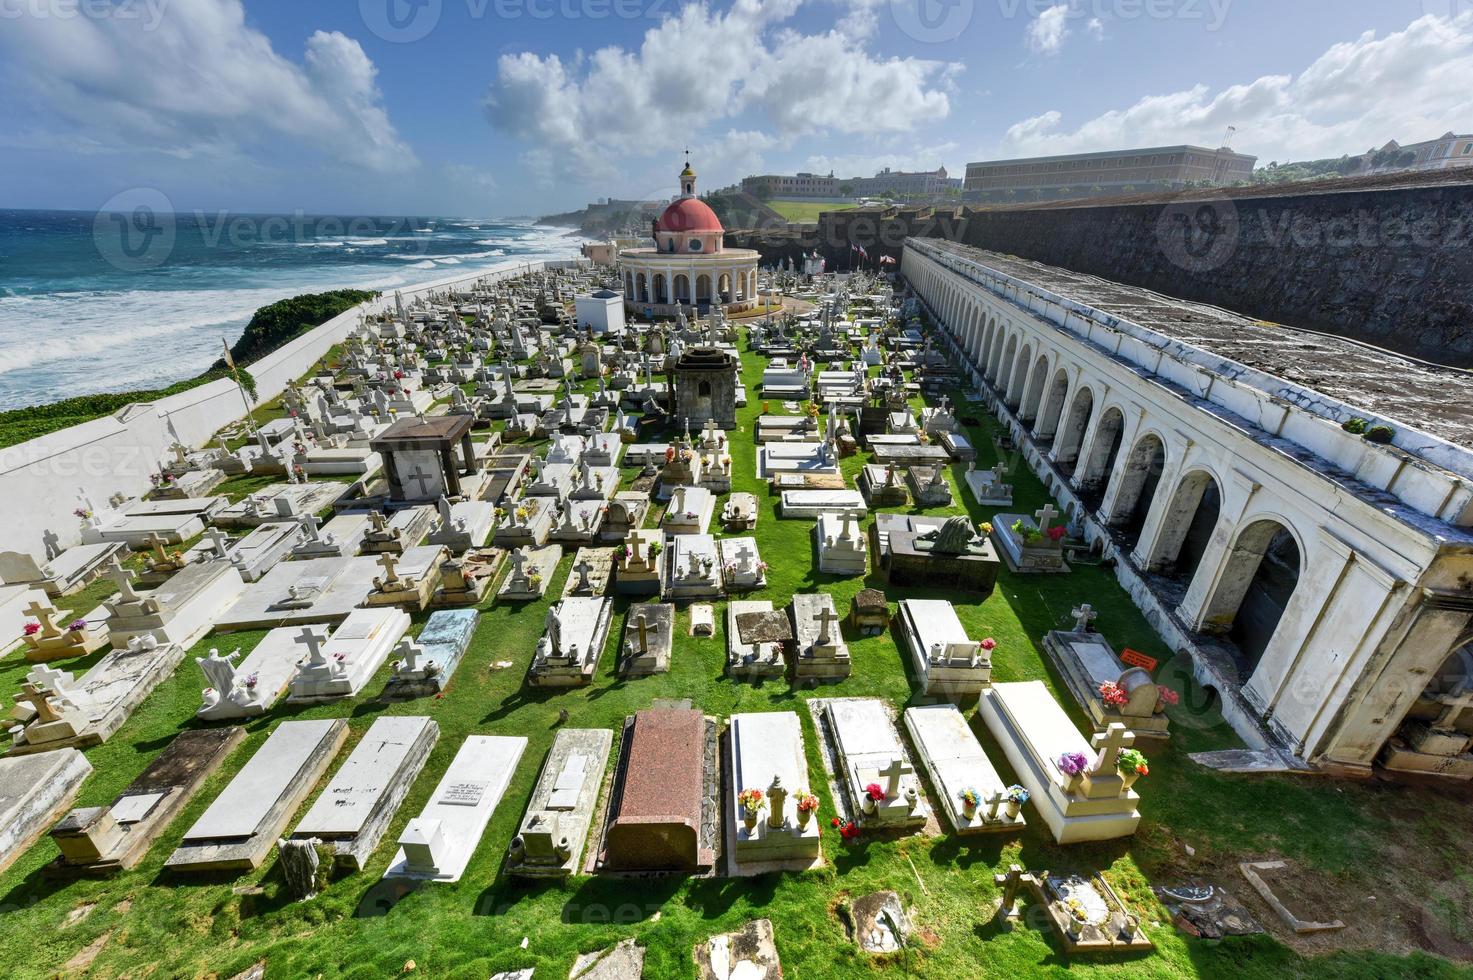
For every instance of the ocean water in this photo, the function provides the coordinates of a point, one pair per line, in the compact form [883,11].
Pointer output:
[112,302]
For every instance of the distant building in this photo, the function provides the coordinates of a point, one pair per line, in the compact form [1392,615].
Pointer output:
[905,183]
[795,185]
[1444,153]
[1108,173]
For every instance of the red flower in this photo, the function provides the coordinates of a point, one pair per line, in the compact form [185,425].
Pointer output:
[1056,533]
[875,792]
[849,831]
[988,644]
[834,822]
[1167,694]
[31,629]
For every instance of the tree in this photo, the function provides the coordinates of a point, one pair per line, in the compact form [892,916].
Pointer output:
[846,190]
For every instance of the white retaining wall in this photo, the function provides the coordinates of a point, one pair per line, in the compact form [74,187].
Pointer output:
[43,481]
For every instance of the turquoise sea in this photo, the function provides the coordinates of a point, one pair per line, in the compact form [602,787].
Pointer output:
[117,301]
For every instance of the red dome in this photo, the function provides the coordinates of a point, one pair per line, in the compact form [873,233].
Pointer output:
[690,214]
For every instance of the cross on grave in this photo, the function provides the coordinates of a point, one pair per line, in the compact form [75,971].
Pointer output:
[310,524]
[42,614]
[993,802]
[309,638]
[389,562]
[583,568]
[744,556]
[892,774]
[1111,742]
[1083,615]
[826,619]
[157,544]
[644,632]
[518,562]
[1454,706]
[418,475]
[219,539]
[998,472]
[123,578]
[379,520]
[40,700]
[846,529]
[1045,517]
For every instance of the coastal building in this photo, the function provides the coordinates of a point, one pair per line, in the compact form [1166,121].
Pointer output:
[690,265]
[1107,173]
[1306,543]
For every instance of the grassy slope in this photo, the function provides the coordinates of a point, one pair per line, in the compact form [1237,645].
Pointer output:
[804,211]
[165,926]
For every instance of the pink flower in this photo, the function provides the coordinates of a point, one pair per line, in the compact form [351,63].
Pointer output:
[1167,695]
[31,629]
[988,644]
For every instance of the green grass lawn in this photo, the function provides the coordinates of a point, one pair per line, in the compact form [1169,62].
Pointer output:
[804,212]
[150,923]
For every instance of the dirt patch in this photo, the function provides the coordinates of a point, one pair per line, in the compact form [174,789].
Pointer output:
[83,960]
[79,913]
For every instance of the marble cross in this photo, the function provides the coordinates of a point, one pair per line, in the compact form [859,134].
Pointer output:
[583,568]
[1045,517]
[1083,615]
[42,614]
[893,773]
[157,544]
[389,562]
[39,699]
[1111,742]
[644,632]
[123,577]
[219,539]
[308,637]
[744,556]
[826,619]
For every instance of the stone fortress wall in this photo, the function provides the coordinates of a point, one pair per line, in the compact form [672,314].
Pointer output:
[1385,261]
[43,481]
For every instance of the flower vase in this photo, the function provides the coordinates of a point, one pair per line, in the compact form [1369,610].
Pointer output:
[749,817]
[969,810]
[803,817]
[1128,778]
[1012,808]
[1075,928]
[869,805]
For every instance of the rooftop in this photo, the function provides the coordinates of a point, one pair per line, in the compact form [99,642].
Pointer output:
[1438,400]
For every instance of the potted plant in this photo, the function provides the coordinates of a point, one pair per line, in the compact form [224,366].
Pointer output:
[1016,797]
[1132,765]
[807,805]
[970,799]
[752,803]
[1078,917]
[874,794]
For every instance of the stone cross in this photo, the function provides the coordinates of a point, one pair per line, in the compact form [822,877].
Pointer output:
[744,557]
[1045,517]
[123,577]
[826,619]
[157,544]
[42,615]
[892,774]
[644,632]
[1083,615]
[846,529]
[309,523]
[998,472]
[379,520]
[39,699]
[1111,742]
[389,562]
[418,475]
[993,802]
[518,563]
[583,568]
[308,637]
[219,539]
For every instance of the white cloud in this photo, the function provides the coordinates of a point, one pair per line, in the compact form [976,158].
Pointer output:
[199,82]
[1049,29]
[702,69]
[1409,85]
[1096,28]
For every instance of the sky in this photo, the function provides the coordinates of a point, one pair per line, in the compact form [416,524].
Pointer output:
[516,107]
